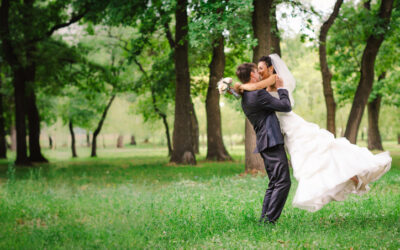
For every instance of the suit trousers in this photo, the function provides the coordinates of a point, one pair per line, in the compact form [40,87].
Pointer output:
[277,168]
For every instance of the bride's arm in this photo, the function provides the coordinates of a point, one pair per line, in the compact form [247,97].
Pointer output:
[259,85]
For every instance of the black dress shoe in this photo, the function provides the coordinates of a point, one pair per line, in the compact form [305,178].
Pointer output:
[265,221]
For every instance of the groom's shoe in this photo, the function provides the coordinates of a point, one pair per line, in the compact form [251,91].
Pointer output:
[265,221]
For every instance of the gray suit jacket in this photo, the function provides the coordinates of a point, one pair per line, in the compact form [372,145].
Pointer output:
[259,107]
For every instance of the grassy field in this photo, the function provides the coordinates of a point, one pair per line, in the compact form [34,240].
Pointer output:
[132,198]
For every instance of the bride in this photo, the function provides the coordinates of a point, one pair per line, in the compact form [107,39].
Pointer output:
[326,168]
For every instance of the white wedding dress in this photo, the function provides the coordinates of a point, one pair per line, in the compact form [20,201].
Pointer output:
[323,164]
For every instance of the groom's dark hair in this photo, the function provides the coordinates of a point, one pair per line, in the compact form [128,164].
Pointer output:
[243,71]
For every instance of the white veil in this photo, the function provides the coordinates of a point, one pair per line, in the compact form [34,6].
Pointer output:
[283,72]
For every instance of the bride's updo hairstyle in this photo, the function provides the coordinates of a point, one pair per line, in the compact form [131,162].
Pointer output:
[267,60]
[243,71]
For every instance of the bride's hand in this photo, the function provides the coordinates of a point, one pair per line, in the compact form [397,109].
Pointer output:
[278,82]
[237,87]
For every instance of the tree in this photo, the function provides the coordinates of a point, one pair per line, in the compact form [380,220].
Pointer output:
[37,22]
[326,74]
[183,152]
[364,88]
[261,23]
[3,146]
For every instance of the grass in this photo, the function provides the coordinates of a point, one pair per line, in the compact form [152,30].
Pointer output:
[132,198]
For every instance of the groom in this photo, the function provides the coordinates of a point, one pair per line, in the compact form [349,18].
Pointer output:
[259,107]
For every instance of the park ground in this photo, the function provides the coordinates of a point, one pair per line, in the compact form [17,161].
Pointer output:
[132,198]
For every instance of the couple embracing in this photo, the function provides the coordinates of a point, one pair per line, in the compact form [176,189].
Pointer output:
[326,168]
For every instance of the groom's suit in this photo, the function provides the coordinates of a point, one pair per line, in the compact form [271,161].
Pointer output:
[259,107]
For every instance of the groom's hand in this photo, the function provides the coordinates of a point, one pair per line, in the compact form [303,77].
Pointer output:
[279,82]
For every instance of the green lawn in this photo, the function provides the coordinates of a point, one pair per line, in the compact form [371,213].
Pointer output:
[131,198]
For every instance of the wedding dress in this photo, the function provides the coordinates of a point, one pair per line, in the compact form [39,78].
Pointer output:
[323,164]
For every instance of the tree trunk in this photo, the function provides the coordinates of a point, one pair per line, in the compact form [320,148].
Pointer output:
[120,141]
[262,28]
[254,162]
[35,154]
[374,137]
[367,72]
[326,74]
[262,31]
[195,130]
[19,97]
[156,109]
[133,141]
[398,138]
[88,139]
[161,114]
[182,137]
[275,38]
[13,138]
[50,142]
[215,145]
[3,143]
[73,147]
[18,83]
[99,126]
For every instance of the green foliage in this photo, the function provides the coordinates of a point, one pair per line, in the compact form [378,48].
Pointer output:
[346,43]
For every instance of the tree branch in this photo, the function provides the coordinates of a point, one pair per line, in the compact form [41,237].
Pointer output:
[75,18]
[167,30]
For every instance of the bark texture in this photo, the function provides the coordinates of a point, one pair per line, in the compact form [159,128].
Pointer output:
[35,153]
[182,137]
[326,73]
[18,83]
[262,31]
[3,143]
[215,145]
[374,136]
[367,72]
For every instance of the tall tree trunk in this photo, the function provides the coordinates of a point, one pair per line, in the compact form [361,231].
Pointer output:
[35,154]
[275,37]
[215,145]
[367,72]
[374,136]
[13,135]
[195,129]
[99,126]
[73,147]
[182,137]
[3,143]
[326,74]
[261,21]
[253,162]
[18,83]
[20,125]
[262,31]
